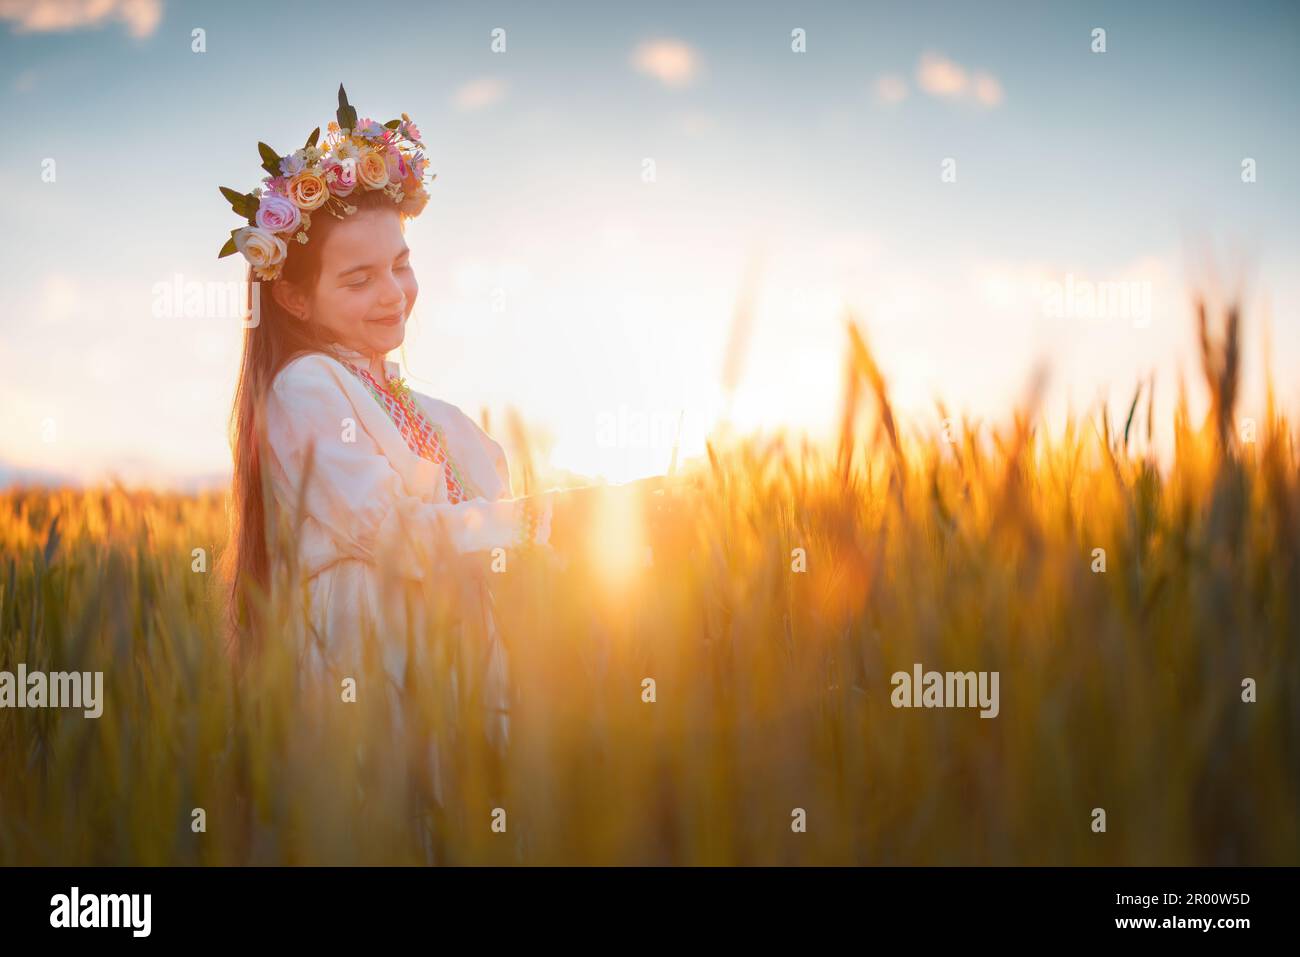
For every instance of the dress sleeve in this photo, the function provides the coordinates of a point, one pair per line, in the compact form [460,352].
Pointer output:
[352,490]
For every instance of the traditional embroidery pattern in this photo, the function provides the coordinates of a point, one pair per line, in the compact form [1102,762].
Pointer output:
[422,437]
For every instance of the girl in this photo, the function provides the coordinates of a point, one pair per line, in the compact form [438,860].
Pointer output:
[369,474]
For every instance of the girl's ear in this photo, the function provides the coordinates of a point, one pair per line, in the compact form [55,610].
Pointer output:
[290,298]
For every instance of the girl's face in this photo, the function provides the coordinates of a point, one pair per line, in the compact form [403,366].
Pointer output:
[366,287]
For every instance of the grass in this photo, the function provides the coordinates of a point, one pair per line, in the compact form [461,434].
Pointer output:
[1120,689]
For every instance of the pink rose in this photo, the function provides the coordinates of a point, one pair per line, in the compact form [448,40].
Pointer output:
[277,214]
[395,164]
[344,180]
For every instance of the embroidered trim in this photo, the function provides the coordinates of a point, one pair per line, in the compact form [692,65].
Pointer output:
[423,437]
[529,516]
[526,522]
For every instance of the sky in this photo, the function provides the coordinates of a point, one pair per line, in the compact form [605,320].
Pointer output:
[617,179]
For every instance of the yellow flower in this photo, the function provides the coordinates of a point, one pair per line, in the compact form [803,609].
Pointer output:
[372,171]
[308,190]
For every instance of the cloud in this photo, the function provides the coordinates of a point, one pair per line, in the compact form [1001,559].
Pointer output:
[891,88]
[48,16]
[671,62]
[478,94]
[987,89]
[939,76]
[946,79]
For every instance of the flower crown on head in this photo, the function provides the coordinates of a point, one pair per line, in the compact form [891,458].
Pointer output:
[365,153]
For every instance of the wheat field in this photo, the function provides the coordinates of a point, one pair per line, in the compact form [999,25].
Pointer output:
[1121,689]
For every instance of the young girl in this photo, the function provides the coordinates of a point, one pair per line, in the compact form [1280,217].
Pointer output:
[370,474]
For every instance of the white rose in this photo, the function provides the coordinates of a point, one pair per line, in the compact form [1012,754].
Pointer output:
[260,247]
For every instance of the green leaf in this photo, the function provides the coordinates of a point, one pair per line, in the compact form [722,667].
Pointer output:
[346,115]
[52,540]
[270,159]
[245,204]
[1128,423]
[230,246]
[315,136]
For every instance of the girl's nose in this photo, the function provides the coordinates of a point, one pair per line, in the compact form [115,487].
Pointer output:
[392,290]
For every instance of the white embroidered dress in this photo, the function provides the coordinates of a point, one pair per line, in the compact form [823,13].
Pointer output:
[368,491]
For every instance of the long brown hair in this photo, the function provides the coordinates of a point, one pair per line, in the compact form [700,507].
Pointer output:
[270,343]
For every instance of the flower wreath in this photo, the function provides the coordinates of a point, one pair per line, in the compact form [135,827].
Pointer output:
[365,153]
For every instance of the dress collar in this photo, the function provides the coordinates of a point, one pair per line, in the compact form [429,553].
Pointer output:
[360,359]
